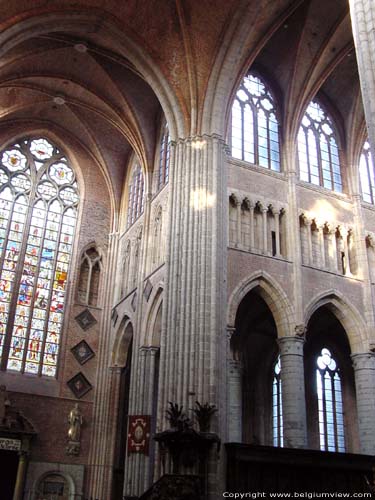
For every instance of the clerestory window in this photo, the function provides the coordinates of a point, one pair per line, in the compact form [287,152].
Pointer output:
[136,195]
[38,213]
[254,126]
[318,154]
[165,150]
[367,174]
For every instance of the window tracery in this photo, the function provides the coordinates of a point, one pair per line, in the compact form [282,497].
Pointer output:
[277,406]
[88,285]
[331,420]
[38,212]
[367,174]
[318,154]
[254,126]
[136,195]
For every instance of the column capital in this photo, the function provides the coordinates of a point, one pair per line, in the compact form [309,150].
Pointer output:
[148,349]
[363,361]
[291,345]
[231,330]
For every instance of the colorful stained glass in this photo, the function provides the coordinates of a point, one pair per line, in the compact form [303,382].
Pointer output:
[13,160]
[41,149]
[61,173]
[33,273]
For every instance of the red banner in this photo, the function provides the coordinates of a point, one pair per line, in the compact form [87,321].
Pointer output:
[139,434]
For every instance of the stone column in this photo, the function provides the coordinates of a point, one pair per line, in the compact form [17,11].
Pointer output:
[363,24]
[321,254]
[265,231]
[293,391]
[234,393]
[192,337]
[333,250]
[99,473]
[309,242]
[238,215]
[364,370]
[251,229]
[276,214]
[21,476]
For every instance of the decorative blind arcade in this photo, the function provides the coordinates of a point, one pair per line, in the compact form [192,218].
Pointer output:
[38,212]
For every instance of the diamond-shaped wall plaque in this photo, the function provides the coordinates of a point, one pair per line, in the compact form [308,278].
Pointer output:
[85,319]
[82,352]
[79,385]
[147,290]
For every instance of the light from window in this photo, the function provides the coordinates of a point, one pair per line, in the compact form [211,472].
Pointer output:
[318,154]
[255,130]
[367,175]
[277,406]
[136,195]
[38,212]
[165,150]
[331,420]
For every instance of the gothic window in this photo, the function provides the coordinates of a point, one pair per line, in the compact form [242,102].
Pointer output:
[318,153]
[38,212]
[255,129]
[331,420]
[136,195]
[89,277]
[165,150]
[277,408]
[367,175]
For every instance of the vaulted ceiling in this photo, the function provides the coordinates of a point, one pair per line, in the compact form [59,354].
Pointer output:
[102,70]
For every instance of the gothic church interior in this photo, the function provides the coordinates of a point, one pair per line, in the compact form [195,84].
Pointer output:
[187,248]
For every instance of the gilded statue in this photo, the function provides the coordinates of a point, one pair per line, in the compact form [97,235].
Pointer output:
[75,422]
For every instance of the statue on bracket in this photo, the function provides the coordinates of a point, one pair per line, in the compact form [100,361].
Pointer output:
[75,420]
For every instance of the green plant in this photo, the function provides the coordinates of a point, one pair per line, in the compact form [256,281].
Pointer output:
[204,414]
[176,417]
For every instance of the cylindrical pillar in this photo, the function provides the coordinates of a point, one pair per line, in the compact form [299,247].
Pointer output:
[293,392]
[21,476]
[364,370]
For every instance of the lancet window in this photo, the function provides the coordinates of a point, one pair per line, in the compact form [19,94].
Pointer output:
[318,154]
[254,127]
[38,212]
[136,195]
[331,419]
[165,150]
[277,406]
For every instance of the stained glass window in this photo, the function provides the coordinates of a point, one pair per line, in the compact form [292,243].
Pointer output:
[164,158]
[318,154]
[277,407]
[136,195]
[331,420]
[367,174]
[254,127]
[38,212]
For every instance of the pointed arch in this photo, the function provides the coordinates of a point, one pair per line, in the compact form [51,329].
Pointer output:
[346,313]
[273,295]
[122,342]
[152,333]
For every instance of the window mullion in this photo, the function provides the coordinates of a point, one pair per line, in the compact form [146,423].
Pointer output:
[17,281]
[48,307]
